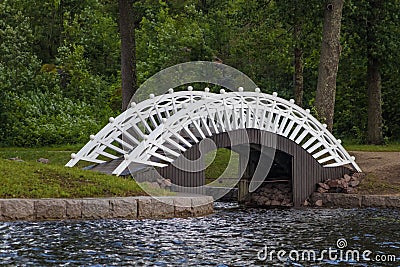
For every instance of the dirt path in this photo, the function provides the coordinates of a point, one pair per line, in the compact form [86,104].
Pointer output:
[384,166]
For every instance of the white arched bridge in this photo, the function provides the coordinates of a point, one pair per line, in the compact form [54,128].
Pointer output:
[159,130]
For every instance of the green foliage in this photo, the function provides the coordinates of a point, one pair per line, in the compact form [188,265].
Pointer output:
[245,36]
[360,39]
[164,40]
[94,33]
[80,82]
[59,60]
[45,118]
[57,155]
[44,104]
[18,63]
[391,100]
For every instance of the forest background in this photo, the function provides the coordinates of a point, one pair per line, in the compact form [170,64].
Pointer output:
[60,60]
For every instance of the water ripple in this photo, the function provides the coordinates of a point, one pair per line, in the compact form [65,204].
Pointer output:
[231,237]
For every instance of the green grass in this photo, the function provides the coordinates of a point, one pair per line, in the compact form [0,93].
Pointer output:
[391,147]
[31,179]
[56,155]
[222,163]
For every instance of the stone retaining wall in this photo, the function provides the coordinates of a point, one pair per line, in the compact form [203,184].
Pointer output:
[354,200]
[103,208]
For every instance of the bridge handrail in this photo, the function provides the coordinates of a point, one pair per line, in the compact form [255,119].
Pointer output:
[302,118]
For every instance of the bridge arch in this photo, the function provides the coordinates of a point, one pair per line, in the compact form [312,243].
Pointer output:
[175,122]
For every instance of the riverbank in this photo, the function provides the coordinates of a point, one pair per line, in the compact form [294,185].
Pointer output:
[382,171]
[21,178]
[40,173]
[340,200]
[50,179]
[379,189]
[105,208]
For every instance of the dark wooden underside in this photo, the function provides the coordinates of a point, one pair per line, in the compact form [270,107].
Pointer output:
[306,170]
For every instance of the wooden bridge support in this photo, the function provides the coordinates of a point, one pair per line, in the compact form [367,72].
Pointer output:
[306,171]
[243,190]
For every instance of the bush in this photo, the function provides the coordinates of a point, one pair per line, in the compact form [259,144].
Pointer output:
[46,118]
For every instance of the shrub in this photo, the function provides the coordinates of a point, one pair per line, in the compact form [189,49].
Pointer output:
[46,118]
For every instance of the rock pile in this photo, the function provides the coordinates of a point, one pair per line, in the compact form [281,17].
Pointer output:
[272,194]
[346,184]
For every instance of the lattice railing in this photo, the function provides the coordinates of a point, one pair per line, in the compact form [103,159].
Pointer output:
[173,122]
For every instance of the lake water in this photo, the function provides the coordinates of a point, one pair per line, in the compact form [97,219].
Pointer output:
[230,237]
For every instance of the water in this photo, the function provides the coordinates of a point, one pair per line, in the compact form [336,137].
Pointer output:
[231,237]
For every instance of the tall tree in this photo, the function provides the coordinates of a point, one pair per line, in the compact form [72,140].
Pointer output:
[128,50]
[300,18]
[329,62]
[298,59]
[374,87]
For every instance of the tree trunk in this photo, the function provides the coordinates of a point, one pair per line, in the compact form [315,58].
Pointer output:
[329,62]
[298,67]
[375,135]
[128,53]
[374,87]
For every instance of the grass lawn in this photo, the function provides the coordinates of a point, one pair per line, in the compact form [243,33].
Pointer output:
[391,147]
[222,163]
[31,179]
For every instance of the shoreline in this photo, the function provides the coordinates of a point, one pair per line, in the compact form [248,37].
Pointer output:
[341,200]
[160,207]
[142,207]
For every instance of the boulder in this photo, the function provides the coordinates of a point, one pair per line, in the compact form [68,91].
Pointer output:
[324,186]
[167,182]
[332,183]
[154,208]
[202,210]
[43,160]
[322,190]
[183,207]
[351,190]
[275,203]
[319,203]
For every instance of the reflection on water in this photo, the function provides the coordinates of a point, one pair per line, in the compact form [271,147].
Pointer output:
[231,237]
